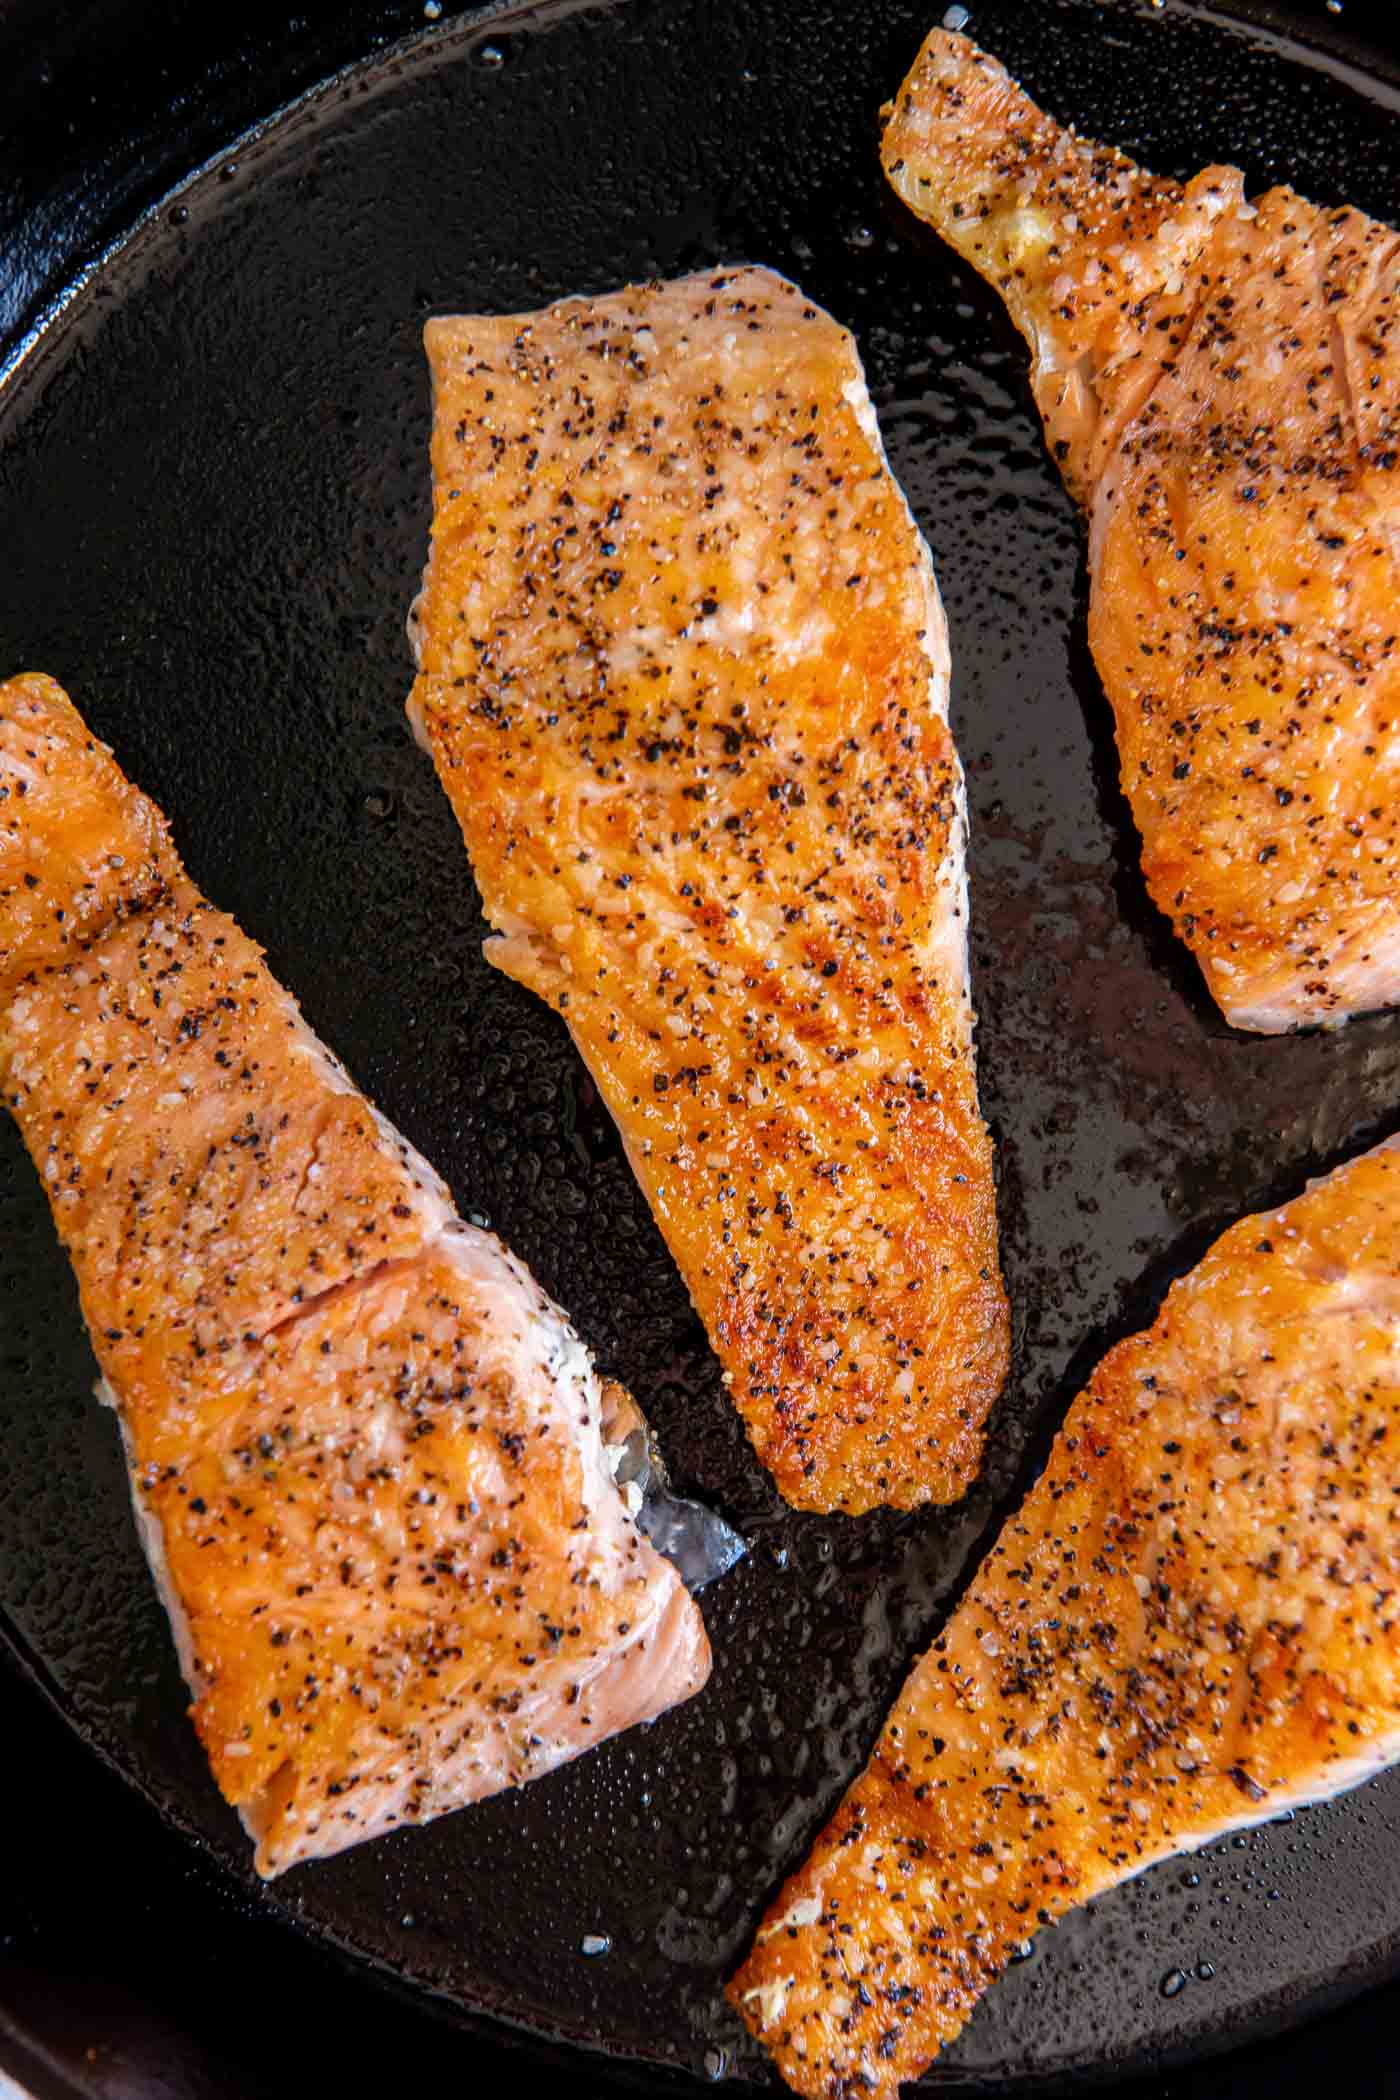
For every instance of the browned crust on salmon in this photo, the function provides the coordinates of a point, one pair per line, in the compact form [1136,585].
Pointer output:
[684,677]
[1189,1625]
[365,1449]
[1220,384]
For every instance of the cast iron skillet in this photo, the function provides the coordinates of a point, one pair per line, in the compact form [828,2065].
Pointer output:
[212,514]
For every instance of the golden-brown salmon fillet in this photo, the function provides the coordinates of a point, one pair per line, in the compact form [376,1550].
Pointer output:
[684,675]
[1220,383]
[367,1453]
[1190,1625]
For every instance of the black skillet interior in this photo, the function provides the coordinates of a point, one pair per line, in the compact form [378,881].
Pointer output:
[212,512]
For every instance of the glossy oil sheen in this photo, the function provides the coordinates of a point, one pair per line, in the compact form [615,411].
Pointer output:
[213,509]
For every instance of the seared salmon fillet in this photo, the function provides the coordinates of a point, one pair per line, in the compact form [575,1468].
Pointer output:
[367,1453]
[1220,383]
[1190,1625]
[683,671]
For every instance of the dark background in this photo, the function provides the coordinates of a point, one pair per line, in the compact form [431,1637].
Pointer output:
[129,1964]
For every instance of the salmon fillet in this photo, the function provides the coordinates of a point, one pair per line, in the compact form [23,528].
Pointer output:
[1190,1625]
[367,1453]
[683,671]
[1220,383]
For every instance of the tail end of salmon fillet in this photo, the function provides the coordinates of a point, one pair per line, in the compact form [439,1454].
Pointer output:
[1072,234]
[79,845]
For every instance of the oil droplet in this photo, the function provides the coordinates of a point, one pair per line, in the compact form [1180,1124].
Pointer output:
[432,9]
[595,1943]
[1190,1881]
[860,237]
[1027,1947]
[956,18]
[408,1920]
[1174,1981]
[489,55]
[1205,1970]
[180,216]
[716,2064]
[228,171]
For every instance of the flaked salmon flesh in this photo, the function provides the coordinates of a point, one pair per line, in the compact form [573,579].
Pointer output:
[683,671]
[1220,383]
[1190,1625]
[367,1453]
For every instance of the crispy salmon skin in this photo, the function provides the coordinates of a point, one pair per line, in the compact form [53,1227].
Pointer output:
[1220,384]
[684,675]
[367,1453]
[1190,1625]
